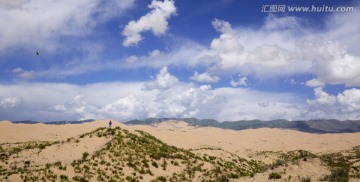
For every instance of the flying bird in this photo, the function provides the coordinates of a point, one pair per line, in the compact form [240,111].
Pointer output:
[37,53]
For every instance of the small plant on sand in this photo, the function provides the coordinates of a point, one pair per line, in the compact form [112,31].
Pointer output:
[154,164]
[164,164]
[85,155]
[274,175]
[161,178]
[64,178]
[307,179]
[80,179]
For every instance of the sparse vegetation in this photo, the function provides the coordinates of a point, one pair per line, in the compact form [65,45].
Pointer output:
[274,175]
[141,154]
[305,179]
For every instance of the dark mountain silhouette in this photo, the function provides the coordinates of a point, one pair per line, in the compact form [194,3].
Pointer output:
[53,122]
[310,126]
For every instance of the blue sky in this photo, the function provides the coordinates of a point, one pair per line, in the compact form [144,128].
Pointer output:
[133,59]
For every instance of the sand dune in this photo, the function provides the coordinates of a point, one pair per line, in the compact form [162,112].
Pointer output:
[12,133]
[201,140]
[180,134]
[252,139]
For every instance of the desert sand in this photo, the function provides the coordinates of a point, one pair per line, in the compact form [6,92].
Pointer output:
[179,134]
[31,132]
[202,140]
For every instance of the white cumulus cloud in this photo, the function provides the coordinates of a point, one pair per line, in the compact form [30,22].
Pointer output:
[314,83]
[243,81]
[333,64]
[343,106]
[125,100]
[125,108]
[163,81]
[204,77]
[41,24]
[11,102]
[23,74]
[156,21]
[285,46]
[262,52]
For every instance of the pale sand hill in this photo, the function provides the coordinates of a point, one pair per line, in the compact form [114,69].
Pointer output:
[172,126]
[66,153]
[263,139]
[312,169]
[245,143]
[179,134]
[12,133]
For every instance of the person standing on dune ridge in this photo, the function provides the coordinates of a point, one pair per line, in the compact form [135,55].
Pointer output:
[110,123]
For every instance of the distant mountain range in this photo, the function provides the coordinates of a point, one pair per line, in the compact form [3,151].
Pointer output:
[310,126]
[53,122]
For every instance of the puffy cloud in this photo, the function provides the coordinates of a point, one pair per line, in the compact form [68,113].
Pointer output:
[188,101]
[60,101]
[345,105]
[243,81]
[40,24]
[124,101]
[261,52]
[322,98]
[185,53]
[11,102]
[343,27]
[156,21]
[132,59]
[23,74]
[168,98]
[121,101]
[181,101]
[282,46]
[155,53]
[222,26]
[332,64]
[164,80]
[248,104]
[204,77]
[350,101]
[125,108]
[76,106]
[314,83]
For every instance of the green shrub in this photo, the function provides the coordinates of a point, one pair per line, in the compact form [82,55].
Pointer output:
[85,155]
[154,164]
[339,175]
[80,179]
[307,179]
[161,178]
[357,153]
[274,175]
[42,146]
[64,178]
[232,175]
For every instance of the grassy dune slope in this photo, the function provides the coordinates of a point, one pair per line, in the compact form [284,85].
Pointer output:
[121,155]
